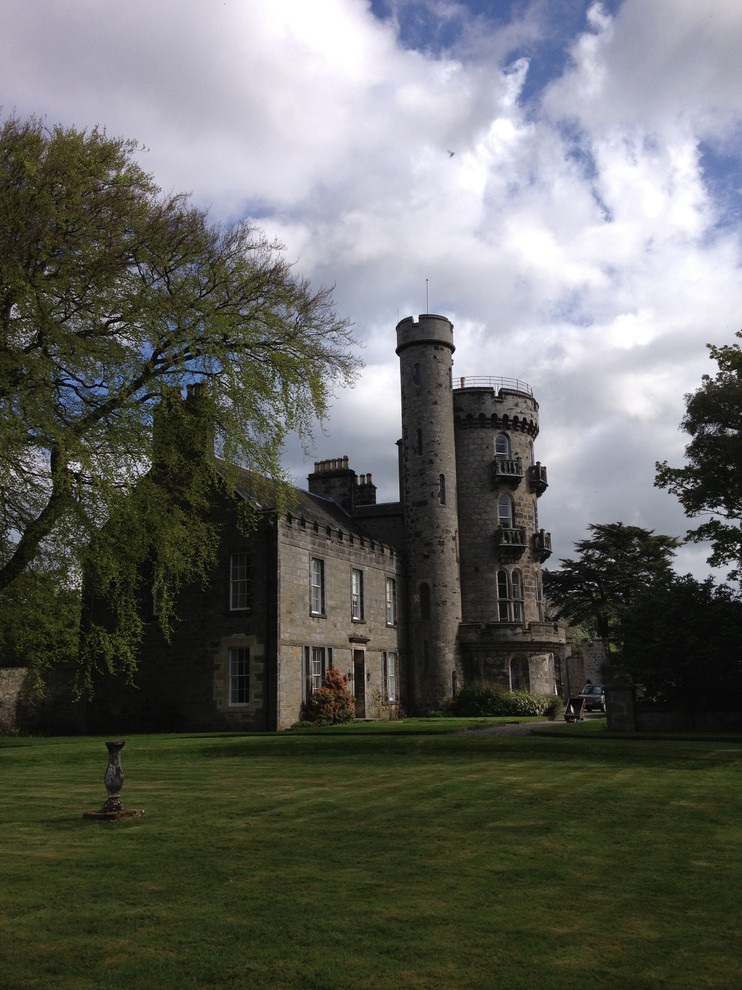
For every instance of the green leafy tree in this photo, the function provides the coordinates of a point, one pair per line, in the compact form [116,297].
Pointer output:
[681,642]
[112,294]
[39,622]
[711,482]
[612,567]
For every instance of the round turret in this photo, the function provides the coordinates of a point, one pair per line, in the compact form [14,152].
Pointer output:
[428,492]
[499,482]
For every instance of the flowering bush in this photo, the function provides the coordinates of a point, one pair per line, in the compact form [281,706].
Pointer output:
[332,703]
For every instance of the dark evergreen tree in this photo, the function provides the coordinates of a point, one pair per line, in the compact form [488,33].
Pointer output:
[612,567]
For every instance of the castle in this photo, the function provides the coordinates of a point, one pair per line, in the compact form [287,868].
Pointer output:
[411,599]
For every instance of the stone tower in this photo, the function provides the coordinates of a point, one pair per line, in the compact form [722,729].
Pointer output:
[504,636]
[429,500]
[470,485]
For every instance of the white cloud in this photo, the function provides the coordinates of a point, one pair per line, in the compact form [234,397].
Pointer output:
[577,243]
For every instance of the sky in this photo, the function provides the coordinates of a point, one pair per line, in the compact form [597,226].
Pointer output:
[584,236]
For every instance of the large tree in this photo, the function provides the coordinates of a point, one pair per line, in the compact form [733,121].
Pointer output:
[611,569]
[711,482]
[112,294]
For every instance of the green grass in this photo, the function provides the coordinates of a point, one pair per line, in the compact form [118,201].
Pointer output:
[374,857]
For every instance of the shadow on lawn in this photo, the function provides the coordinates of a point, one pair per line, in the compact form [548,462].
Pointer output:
[336,746]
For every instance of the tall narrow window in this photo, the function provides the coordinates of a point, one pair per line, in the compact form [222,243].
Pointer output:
[316,661]
[505,511]
[390,675]
[424,601]
[356,595]
[503,596]
[239,581]
[516,583]
[540,598]
[442,489]
[391,602]
[419,441]
[318,667]
[239,675]
[317,587]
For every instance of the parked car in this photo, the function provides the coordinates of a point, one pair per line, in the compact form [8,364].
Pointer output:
[594,697]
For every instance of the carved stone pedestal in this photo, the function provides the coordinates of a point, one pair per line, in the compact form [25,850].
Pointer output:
[113,809]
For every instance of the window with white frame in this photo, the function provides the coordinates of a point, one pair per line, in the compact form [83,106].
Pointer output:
[509,596]
[502,445]
[356,594]
[239,675]
[239,581]
[505,511]
[316,661]
[516,587]
[503,596]
[390,675]
[317,586]
[391,602]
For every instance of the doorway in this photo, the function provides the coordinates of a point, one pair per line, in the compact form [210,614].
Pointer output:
[359,682]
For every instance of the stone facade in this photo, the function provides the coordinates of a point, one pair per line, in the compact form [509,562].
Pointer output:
[410,599]
[270,640]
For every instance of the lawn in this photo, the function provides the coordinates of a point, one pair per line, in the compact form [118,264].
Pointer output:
[375,857]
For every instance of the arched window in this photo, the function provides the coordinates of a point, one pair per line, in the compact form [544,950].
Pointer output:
[509,596]
[505,511]
[424,601]
[518,675]
[540,598]
[503,596]
[502,445]
[516,582]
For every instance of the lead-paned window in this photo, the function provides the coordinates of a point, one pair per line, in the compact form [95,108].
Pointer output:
[317,586]
[239,675]
[356,594]
[390,675]
[239,581]
[391,602]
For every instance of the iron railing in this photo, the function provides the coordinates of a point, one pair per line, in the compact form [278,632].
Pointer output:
[509,384]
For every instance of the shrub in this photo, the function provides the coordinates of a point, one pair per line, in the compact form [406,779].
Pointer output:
[483,698]
[524,703]
[554,708]
[331,704]
[479,698]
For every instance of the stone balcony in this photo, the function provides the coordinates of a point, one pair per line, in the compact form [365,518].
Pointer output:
[541,545]
[537,478]
[510,543]
[508,470]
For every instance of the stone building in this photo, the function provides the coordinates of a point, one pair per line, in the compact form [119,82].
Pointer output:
[410,599]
